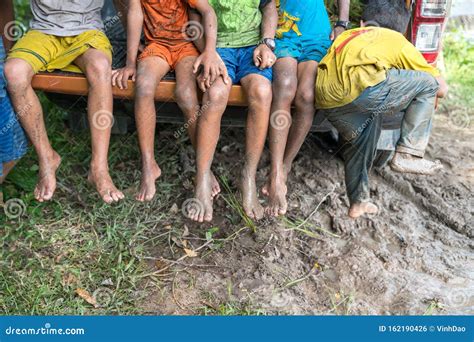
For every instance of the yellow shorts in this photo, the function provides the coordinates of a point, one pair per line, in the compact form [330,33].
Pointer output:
[45,52]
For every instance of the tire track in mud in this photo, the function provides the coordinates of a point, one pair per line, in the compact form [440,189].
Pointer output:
[425,198]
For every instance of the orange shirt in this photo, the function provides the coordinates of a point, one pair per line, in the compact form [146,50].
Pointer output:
[165,20]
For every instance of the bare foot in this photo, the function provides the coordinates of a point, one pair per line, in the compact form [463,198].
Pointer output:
[403,162]
[216,189]
[250,202]
[358,209]
[100,178]
[150,173]
[266,188]
[46,186]
[277,197]
[204,195]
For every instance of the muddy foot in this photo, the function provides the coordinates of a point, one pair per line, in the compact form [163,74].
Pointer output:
[46,186]
[150,173]
[358,209]
[407,163]
[277,197]
[204,194]
[216,189]
[104,185]
[250,202]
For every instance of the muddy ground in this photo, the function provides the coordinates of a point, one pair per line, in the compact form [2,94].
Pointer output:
[415,257]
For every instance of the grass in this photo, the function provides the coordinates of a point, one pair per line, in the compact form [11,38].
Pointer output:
[77,242]
[459,64]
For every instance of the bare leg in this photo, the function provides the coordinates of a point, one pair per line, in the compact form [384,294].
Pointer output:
[7,167]
[19,74]
[284,90]
[187,99]
[208,130]
[259,93]
[304,114]
[150,72]
[97,68]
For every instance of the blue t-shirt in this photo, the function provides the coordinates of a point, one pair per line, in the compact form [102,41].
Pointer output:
[302,18]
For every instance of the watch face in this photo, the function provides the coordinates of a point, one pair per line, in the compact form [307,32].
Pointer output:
[270,43]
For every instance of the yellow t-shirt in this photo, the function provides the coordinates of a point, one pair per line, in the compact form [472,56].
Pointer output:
[360,58]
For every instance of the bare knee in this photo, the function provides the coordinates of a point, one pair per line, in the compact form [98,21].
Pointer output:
[18,74]
[218,94]
[284,88]
[305,97]
[99,71]
[186,96]
[260,93]
[146,86]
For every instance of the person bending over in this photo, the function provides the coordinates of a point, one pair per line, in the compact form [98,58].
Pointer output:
[370,72]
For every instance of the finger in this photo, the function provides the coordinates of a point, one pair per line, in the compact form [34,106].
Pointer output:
[225,74]
[257,58]
[332,35]
[125,78]
[196,64]
[114,77]
[134,77]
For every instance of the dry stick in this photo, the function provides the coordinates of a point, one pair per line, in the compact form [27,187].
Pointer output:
[174,262]
[315,210]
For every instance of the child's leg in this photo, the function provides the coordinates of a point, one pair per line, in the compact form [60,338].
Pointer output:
[187,99]
[284,90]
[259,93]
[26,103]
[97,68]
[150,72]
[208,130]
[304,114]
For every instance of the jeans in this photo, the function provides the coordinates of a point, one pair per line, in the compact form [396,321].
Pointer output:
[359,123]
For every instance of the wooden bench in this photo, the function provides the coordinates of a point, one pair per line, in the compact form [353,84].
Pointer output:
[71,84]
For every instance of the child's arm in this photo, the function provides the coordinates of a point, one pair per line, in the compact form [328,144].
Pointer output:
[343,6]
[209,61]
[134,31]
[263,57]
[6,17]
[443,87]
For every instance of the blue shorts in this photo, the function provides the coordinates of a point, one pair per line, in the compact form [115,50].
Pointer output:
[302,50]
[13,142]
[239,63]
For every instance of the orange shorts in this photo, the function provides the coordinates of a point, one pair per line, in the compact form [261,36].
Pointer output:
[171,54]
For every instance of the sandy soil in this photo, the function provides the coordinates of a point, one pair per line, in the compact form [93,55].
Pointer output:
[415,257]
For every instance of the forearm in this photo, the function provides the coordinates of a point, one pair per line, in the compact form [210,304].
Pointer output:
[134,32]
[343,7]
[200,42]
[443,87]
[270,20]
[6,16]
[209,21]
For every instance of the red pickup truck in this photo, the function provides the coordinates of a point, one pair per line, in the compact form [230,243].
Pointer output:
[68,90]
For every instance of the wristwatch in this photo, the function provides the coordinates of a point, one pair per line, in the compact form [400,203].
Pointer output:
[269,42]
[344,24]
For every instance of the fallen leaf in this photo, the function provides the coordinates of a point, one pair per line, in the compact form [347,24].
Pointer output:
[84,294]
[190,253]
[185,243]
[174,209]
[186,231]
